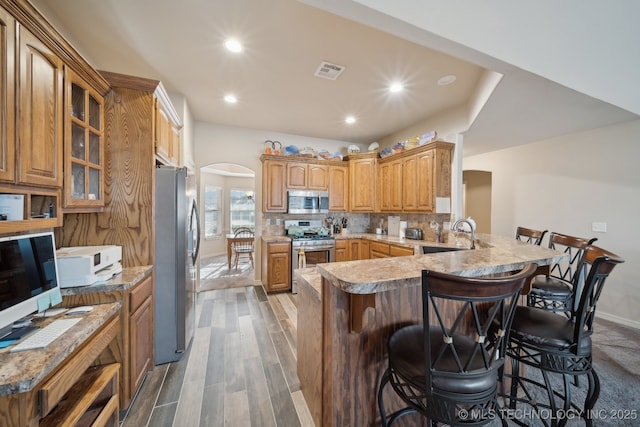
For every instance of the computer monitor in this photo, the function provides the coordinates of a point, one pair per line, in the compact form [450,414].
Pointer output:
[28,276]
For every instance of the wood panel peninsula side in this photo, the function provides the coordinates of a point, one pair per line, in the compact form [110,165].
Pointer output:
[340,368]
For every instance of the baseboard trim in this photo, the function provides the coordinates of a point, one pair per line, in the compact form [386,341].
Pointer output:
[617,319]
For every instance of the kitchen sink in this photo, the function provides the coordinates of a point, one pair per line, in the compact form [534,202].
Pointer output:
[436,249]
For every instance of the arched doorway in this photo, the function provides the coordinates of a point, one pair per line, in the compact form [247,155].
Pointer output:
[227,202]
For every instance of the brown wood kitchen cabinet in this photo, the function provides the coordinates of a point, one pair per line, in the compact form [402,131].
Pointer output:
[419,191]
[362,182]
[84,145]
[307,176]
[133,346]
[365,249]
[338,188]
[276,266]
[7,97]
[352,249]
[274,193]
[342,253]
[386,250]
[410,181]
[168,125]
[282,173]
[141,333]
[32,131]
[33,60]
[40,122]
[390,184]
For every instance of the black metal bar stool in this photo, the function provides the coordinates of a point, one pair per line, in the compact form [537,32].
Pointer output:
[554,343]
[554,292]
[447,368]
[530,235]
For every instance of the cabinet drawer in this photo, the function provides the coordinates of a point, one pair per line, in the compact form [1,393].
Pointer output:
[279,248]
[380,248]
[140,293]
[92,401]
[400,250]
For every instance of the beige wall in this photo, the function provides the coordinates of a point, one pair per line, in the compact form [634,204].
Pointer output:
[477,198]
[564,184]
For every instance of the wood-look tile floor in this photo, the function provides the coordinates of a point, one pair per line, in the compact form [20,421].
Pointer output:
[239,370]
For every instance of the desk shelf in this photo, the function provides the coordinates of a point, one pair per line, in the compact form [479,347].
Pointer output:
[93,401]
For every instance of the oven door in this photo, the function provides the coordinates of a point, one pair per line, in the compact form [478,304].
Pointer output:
[313,256]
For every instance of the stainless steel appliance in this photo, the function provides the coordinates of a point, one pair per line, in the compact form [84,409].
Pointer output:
[177,238]
[312,238]
[307,202]
[413,233]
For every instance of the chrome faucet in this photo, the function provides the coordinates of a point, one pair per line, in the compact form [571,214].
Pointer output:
[472,227]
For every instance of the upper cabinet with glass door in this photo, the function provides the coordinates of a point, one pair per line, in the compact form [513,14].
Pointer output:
[84,146]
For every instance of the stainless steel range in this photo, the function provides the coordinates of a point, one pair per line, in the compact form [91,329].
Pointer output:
[309,241]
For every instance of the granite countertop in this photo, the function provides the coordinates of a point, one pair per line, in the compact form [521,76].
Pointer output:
[22,371]
[311,277]
[494,254]
[274,239]
[129,277]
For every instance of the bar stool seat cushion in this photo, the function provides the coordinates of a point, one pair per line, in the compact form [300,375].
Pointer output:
[547,330]
[549,286]
[406,355]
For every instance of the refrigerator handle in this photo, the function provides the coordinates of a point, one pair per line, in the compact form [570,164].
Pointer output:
[195,217]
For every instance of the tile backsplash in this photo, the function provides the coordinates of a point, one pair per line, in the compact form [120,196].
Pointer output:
[273,223]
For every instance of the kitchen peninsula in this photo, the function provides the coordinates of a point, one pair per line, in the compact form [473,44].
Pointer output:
[351,308]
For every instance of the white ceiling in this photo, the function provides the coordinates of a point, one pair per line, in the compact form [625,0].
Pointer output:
[181,43]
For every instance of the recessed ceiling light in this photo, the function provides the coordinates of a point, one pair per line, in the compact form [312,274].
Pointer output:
[350,120]
[233,45]
[230,99]
[396,87]
[447,80]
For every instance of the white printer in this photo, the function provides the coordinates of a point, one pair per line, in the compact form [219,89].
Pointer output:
[86,265]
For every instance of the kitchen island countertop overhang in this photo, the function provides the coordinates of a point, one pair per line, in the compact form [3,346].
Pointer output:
[498,254]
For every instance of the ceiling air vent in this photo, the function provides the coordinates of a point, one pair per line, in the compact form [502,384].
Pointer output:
[330,71]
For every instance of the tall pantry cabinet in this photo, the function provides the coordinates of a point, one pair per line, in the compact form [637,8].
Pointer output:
[131,143]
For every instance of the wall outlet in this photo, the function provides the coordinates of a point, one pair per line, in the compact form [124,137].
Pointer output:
[599,227]
[268,221]
[278,221]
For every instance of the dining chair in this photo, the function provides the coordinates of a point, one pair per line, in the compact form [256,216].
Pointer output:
[530,235]
[447,368]
[548,343]
[554,291]
[243,247]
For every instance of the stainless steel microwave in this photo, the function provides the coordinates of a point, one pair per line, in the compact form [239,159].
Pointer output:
[307,202]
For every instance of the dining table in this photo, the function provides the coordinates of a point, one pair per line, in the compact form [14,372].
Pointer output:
[231,240]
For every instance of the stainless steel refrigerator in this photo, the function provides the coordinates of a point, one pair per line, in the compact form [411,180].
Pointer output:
[177,241]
